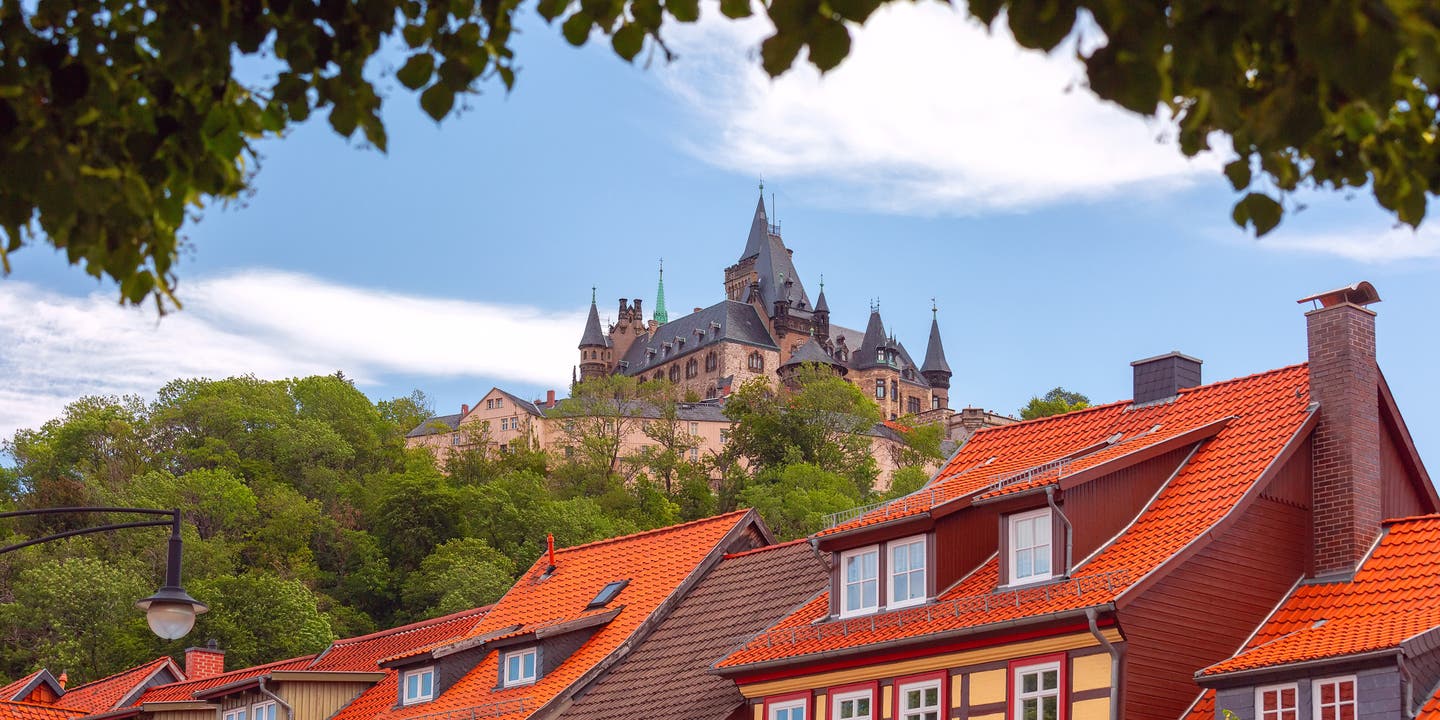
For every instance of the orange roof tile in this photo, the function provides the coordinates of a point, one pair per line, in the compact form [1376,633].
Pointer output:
[107,693]
[183,691]
[7,692]
[1431,709]
[1268,409]
[1204,707]
[31,711]
[656,563]
[1393,597]
[364,653]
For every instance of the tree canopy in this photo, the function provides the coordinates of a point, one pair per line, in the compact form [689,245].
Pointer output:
[120,120]
[1055,402]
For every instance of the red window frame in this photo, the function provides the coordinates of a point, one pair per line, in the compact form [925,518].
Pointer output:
[942,675]
[1063,681]
[873,686]
[806,695]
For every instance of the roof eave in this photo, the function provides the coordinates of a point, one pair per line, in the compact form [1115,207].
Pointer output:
[852,651]
[1227,678]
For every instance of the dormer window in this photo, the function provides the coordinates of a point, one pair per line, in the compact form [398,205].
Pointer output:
[880,355]
[607,594]
[518,668]
[860,581]
[417,686]
[1030,549]
[907,572]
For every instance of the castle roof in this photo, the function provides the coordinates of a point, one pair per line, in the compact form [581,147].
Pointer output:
[811,352]
[820,304]
[593,334]
[774,267]
[725,320]
[759,232]
[935,351]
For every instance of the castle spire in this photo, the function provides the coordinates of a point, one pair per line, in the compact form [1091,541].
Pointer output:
[660,315]
[935,368]
[593,336]
[759,236]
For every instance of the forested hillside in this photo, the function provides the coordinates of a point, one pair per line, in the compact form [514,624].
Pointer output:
[306,519]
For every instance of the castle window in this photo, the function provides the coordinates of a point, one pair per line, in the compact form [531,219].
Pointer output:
[895,390]
[934,402]
[880,389]
[757,362]
[658,375]
[880,355]
[913,406]
[674,373]
[692,368]
[711,361]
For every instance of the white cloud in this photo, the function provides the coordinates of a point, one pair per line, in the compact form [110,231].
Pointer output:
[930,113]
[1397,244]
[55,348]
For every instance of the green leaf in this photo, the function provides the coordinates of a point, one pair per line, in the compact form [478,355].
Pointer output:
[1262,211]
[735,8]
[437,101]
[1239,173]
[343,118]
[551,9]
[830,45]
[628,40]
[577,28]
[777,52]
[685,11]
[417,71]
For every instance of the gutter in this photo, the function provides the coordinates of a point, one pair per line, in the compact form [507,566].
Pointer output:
[1091,615]
[289,711]
[1069,534]
[918,639]
[1407,685]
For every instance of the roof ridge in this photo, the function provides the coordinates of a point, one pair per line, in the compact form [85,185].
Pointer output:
[127,671]
[417,625]
[763,548]
[27,703]
[238,671]
[655,531]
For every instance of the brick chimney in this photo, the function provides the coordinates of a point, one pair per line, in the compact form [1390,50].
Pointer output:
[464,409]
[204,662]
[1344,379]
[549,398]
[1163,377]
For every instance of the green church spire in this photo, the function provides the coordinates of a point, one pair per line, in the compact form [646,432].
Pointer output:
[660,315]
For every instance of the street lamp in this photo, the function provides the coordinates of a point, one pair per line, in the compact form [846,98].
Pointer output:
[171,611]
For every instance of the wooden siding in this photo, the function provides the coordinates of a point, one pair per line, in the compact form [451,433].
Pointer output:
[183,715]
[963,541]
[1294,482]
[1203,611]
[316,700]
[1103,507]
[1399,495]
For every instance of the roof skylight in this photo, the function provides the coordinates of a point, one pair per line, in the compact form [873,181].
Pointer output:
[607,594]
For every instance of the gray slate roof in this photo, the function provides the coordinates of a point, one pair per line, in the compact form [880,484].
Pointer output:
[811,352]
[593,334]
[773,265]
[863,357]
[436,425]
[935,351]
[725,320]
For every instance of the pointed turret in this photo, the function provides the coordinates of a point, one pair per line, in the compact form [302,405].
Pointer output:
[875,347]
[594,345]
[593,336]
[935,368]
[661,316]
[820,305]
[759,230]
[820,320]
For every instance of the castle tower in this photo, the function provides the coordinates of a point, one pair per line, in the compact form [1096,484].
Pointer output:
[740,276]
[661,316]
[820,320]
[594,346]
[935,369]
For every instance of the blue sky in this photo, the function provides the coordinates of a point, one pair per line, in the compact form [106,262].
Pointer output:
[1060,237]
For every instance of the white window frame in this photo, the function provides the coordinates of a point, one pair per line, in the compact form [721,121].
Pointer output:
[1012,546]
[890,572]
[844,585]
[789,706]
[1279,714]
[263,711]
[420,696]
[904,713]
[851,697]
[1354,701]
[1019,697]
[507,681]
[240,713]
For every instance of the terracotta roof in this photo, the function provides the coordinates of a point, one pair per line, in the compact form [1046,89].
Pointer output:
[1393,597]
[106,693]
[1268,409]
[656,563]
[8,691]
[1204,707]
[31,711]
[746,593]
[363,654]
[1431,709]
[183,691]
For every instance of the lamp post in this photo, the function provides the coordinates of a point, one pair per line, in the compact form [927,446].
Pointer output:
[171,611]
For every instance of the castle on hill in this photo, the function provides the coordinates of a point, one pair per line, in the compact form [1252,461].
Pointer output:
[767,326]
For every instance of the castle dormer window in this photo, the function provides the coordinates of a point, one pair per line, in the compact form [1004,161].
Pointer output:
[880,355]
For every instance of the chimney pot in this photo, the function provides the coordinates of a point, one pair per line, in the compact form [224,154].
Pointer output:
[1163,377]
[464,409]
[549,398]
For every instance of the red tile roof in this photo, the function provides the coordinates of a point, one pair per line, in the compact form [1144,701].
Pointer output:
[7,692]
[184,691]
[1204,707]
[1431,709]
[1393,597]
[1268,410]
[32,711]
[364,653]
[106,693]
[656,563]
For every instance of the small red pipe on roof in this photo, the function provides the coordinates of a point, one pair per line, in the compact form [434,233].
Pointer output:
[550,548]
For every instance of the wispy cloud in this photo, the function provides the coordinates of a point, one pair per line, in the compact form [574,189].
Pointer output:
[55,348]
[931,112]
[1398,244]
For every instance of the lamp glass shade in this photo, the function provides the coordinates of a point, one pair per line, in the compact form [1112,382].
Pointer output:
[170,620]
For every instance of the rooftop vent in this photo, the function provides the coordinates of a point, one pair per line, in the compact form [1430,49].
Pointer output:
[1163,377]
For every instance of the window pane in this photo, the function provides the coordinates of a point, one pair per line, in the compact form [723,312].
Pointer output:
[1327,693]
[1029,682]
[1050,679]
[852,597]
[1347,691]
[912,699]
[427,681]
[902,587]
[1023,566]
[1024,533]
[869,594]
[932,696]
[1050,708]
[917,555]
[862,707]
[1287,698]
[1042,560]
[529,659]
[1347,712]
[1327,713]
